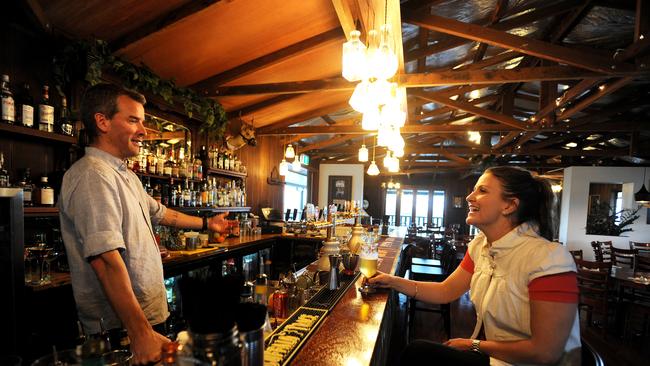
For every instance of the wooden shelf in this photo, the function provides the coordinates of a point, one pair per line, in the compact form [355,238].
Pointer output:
[41,211]
[26,131]
[228,173]
[165,177]
[211,209]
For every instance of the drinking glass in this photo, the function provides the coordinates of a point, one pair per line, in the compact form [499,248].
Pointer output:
[368,258]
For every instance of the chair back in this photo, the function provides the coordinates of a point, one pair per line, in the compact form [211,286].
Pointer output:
[641,262]
[577,254]
[589,355]
[448,258]
[623,257]
[640,247]
[602,250]
[594,283]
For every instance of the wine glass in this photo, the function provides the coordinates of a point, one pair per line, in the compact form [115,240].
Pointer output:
[368,258]
[48,258]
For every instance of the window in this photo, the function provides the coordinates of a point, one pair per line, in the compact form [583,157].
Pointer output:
[421,207]
[438,208]
[295,192]
[406,208]
[391,206]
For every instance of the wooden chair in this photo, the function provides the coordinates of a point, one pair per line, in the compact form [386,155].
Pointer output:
[594,284]
[577,254]
[623,257]
[640,247]
[642,262]
[602,250]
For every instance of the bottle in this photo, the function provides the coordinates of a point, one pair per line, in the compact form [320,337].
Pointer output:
[197,171]
[205,199]
[157,194]
[160,165]
[261,282]
[25,107]
[167,170]
[45,193]
[46,112]
[187,194]
[8,106]
[226,161]
[4,175]
[26,184]
[65,125]
[220,160]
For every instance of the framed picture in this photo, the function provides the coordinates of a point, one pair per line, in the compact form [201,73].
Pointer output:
[339,189]
[594,199]
[458,201]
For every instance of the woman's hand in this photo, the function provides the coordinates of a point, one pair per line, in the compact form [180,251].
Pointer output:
[382,280]
[461,344]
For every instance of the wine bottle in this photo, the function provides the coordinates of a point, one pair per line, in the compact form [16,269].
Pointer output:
[46,112]
[8,106]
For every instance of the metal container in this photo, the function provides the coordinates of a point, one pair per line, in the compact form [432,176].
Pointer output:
[253,347]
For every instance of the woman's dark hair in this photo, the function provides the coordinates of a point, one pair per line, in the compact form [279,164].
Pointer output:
[536,199]
[102,98]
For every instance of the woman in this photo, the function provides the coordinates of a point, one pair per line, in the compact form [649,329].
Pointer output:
[522,285]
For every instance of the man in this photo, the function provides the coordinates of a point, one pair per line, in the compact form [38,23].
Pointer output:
[106,222]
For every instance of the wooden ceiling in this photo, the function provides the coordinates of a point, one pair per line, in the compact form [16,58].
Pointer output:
[547,83]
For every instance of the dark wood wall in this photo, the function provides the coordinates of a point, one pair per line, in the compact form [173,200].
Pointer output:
[452,183]
[260,161]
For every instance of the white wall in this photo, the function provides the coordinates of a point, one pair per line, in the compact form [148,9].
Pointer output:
[324,172]
[575,194]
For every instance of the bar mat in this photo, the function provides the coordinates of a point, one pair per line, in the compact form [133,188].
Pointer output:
[289,337]
[326,298]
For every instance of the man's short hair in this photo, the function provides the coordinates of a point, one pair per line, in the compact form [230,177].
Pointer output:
[102,98]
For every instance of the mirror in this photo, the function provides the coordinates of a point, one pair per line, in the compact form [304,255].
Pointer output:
[604,206]
[165,133]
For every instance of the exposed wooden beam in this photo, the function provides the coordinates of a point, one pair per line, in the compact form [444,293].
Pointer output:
[161,22]
[525,45]
[468,107]
[602,91]
[323,144]
[455,158]
[39,14]
[621,126]
[208,85]
[463,77]
[505,140]
[423,151]
[251,109]
[540,12]
[335,107]
[526,137]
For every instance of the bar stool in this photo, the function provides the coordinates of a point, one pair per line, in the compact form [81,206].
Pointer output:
[431,273]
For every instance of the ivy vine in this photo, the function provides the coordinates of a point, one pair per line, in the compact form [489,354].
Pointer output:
[88,59]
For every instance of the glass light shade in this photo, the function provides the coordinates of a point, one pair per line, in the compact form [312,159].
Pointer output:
[383,136]
[284,167]
[398,153]
[397,142]
[290,152]
[393,165]
[363,154]
[354,58]
[379,92]
[296,163]
[373,169]
[360,100]
[370,119]
[398,185]
[391,185]
[372,51]
[384,61]
[387,159]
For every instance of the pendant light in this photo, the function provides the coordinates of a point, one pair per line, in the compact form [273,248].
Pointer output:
[373,169]
[290,152]
[284,167]
[363,152]
[296,163]
[642,196]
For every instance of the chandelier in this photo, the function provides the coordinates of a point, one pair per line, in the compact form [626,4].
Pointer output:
[381,101]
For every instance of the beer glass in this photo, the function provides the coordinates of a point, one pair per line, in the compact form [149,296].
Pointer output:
[368,258]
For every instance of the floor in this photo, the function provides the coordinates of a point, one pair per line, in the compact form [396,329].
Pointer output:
[613,349]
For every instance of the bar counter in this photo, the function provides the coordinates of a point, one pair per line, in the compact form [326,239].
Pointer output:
[357,330]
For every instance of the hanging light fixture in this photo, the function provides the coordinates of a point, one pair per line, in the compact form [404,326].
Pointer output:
[642,196]
[354,58]
[290,152]
[363,151]
[296,163]
[373,169]
[284,167]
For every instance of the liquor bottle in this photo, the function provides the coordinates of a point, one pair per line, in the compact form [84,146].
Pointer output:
[169,164]
[25,107]
[197,171]
[4,175]
[157,194]
[26,184]
[175,169]
[187,194]
[164,194]
[205,193]
[8,106]
[46,112]
[160,165]
[243,194]
[45,193]
[152,162]
[64,123]
[226,161]
[220,159]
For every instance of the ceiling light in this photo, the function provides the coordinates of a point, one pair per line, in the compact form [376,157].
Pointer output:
[642,196]
[296,163]
[290,152]
[284,167]
[363,154]
[373,169]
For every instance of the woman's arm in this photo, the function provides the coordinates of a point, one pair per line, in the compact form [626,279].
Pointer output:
[550,324]
[433,292]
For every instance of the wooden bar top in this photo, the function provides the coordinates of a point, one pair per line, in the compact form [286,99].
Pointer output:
[349,333]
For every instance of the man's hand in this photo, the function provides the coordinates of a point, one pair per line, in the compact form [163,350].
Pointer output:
[219,223]
[460,344]
[147,348]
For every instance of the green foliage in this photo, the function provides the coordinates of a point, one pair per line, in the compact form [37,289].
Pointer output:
[94,56]
[601,220]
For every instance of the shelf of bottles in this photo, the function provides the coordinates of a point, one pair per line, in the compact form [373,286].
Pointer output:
[21,115]
[190,184]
